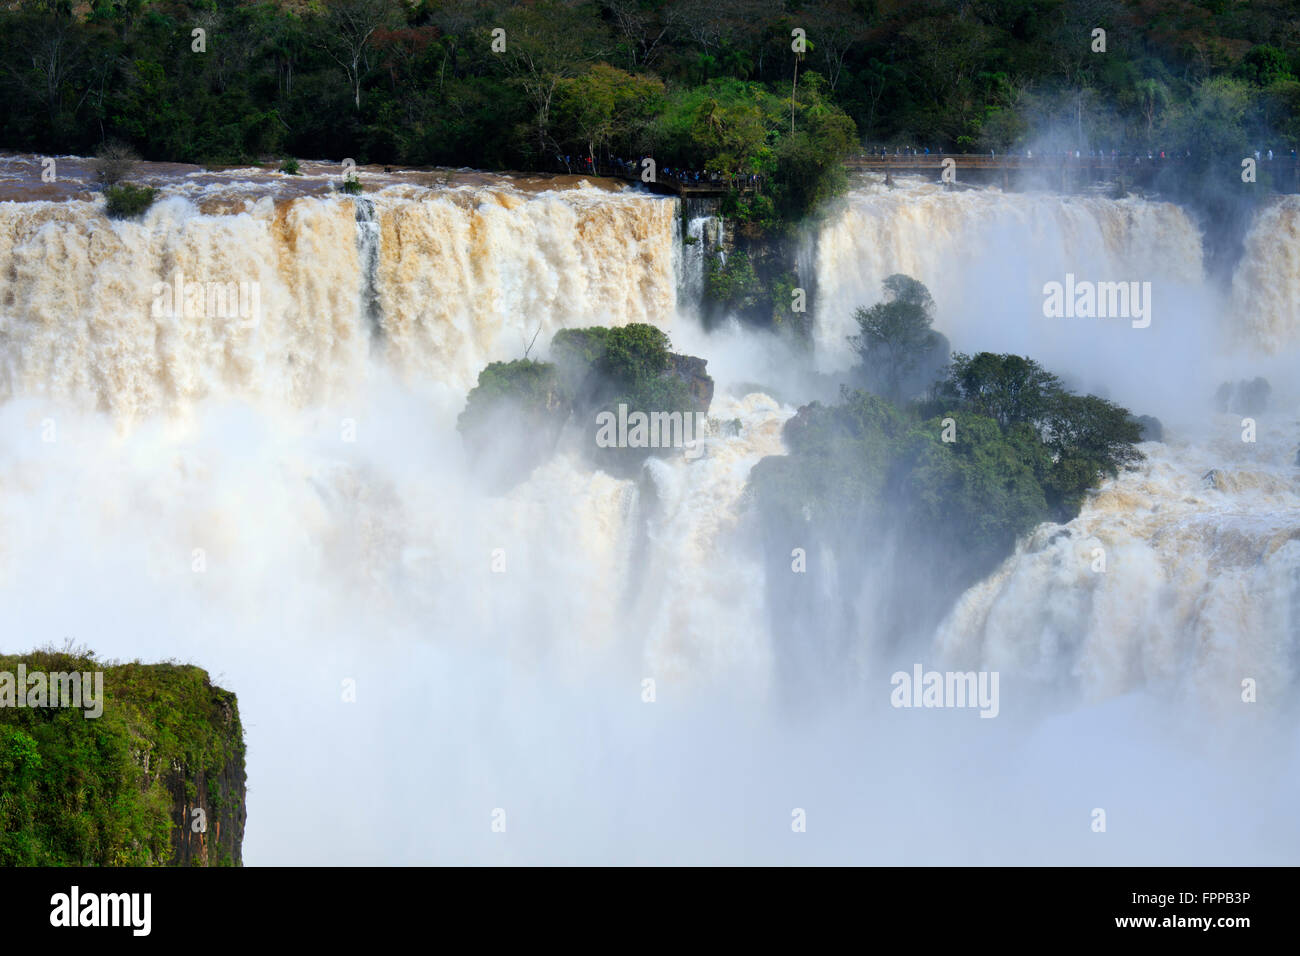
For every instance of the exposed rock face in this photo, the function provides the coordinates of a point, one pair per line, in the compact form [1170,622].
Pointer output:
[1152,429]
[691,370]
[1243,397]
[213,836]
[798,426]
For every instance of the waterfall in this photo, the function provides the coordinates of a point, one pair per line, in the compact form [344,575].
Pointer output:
[1266,284]
[451,278]
[368,238]
[285,501]
[1167,578]
[986,256]
[704,236]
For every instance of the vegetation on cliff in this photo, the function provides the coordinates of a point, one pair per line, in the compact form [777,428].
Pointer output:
[120,789]
[996,446]
[514,414]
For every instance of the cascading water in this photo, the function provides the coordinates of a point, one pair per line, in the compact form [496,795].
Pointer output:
[986,255]
[1197,574]
[368,237]
[704,237]
[456,277]
[1182,573]
[501,645]
[1266,285]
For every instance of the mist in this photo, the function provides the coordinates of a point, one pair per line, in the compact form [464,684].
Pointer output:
[295,526]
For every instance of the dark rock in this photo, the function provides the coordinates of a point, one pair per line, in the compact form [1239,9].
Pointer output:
[1152,429]
[219,794]
[1243,397]
[691,370]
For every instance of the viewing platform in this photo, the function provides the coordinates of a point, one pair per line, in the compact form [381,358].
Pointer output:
[688,188]
[1052,167]
[1065,171]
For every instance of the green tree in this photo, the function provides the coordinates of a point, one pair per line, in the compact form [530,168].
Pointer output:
[1153,96]
[1265,65]
[1010,389]
[978,493]
[605,106]
[1090,439]
[545,44]
[1085,437]
[895,337]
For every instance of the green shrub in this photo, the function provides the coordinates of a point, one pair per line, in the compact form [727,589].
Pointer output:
[513,416]
[351,186]
[290,167]
[129,201]
[732,283]
[526,388]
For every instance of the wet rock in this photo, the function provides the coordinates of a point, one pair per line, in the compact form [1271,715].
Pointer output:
[1152,429]
[1243,397]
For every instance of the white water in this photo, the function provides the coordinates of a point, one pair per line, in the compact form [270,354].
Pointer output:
[317,468]
[1200,587]
[986,255]
[464,276]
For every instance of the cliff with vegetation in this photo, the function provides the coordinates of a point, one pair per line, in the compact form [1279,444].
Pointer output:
[920,480]
[514,415]
[156,779]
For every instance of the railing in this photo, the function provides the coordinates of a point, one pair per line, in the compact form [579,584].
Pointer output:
[682,185]
[1009,161]
[1057,163]
[1048,161]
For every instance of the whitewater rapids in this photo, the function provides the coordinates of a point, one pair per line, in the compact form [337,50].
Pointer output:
[288,505]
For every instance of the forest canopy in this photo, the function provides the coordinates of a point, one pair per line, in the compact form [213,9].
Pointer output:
[717,86]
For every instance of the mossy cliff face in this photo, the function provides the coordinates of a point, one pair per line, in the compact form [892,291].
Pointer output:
[121,788]
[215,787]
[754,276]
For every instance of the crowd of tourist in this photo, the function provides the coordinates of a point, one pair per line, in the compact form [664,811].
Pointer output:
[1114,156]
[634,168]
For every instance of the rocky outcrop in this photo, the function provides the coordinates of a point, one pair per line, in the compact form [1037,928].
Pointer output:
[1152,429]
[691,370]
[1244,397]
[208,809]
[108,764]
[600,383]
